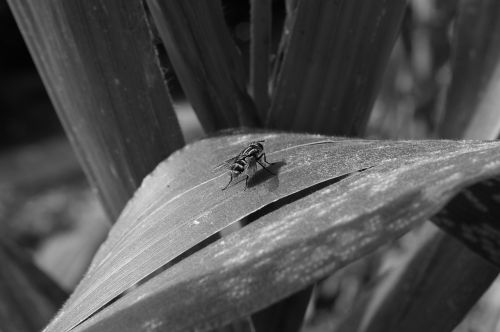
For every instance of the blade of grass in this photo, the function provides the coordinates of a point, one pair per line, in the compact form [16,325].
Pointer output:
[181,204]
[98,64]
[206,61]
[259,54]
[297,243]
[337,53]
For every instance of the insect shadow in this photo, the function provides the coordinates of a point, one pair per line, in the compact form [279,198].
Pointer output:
[262,175]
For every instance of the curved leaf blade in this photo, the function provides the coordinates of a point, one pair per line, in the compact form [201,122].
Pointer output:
[138,245]
[301,242]
[181,203]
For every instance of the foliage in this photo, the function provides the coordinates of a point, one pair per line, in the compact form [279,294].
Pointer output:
[330,200]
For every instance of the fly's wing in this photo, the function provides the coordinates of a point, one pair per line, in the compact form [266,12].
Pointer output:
[225,165]
[251,167]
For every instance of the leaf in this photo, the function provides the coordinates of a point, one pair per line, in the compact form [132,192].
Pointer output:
[301,242]
[259,54]
[422,291]
[446,277]
[472,217]
[337,52]
[206,61]
[28,297]
[290,6]
[286,315]
[472,103]
[181,204]
[115,109]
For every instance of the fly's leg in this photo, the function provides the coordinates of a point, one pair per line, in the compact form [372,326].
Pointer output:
[246,182]
[264,167]
[263,156]
[233,176]
[230,180]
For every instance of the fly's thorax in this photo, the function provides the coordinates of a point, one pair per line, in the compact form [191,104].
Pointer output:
[249,151]
[253,149]
[257,144]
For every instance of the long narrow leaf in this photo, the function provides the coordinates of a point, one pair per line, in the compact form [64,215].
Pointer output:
[181,204]
[333,65]
[301,242]
[473,100]
[260,49]
[206,61]
[28,297]
[98,64]
[290,6]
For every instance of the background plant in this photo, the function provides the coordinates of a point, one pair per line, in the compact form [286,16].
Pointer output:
[329,63]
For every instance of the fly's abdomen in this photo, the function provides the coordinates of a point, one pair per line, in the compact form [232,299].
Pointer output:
[239,166]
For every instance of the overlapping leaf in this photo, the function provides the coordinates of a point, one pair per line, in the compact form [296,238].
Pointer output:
[336,51]
[472,103]
[99,68]
[206,60]
[180,204]
[28,297]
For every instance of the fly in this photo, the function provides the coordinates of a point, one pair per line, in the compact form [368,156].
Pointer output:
[246,162]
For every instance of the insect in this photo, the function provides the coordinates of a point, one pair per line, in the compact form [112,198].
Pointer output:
[246,162]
